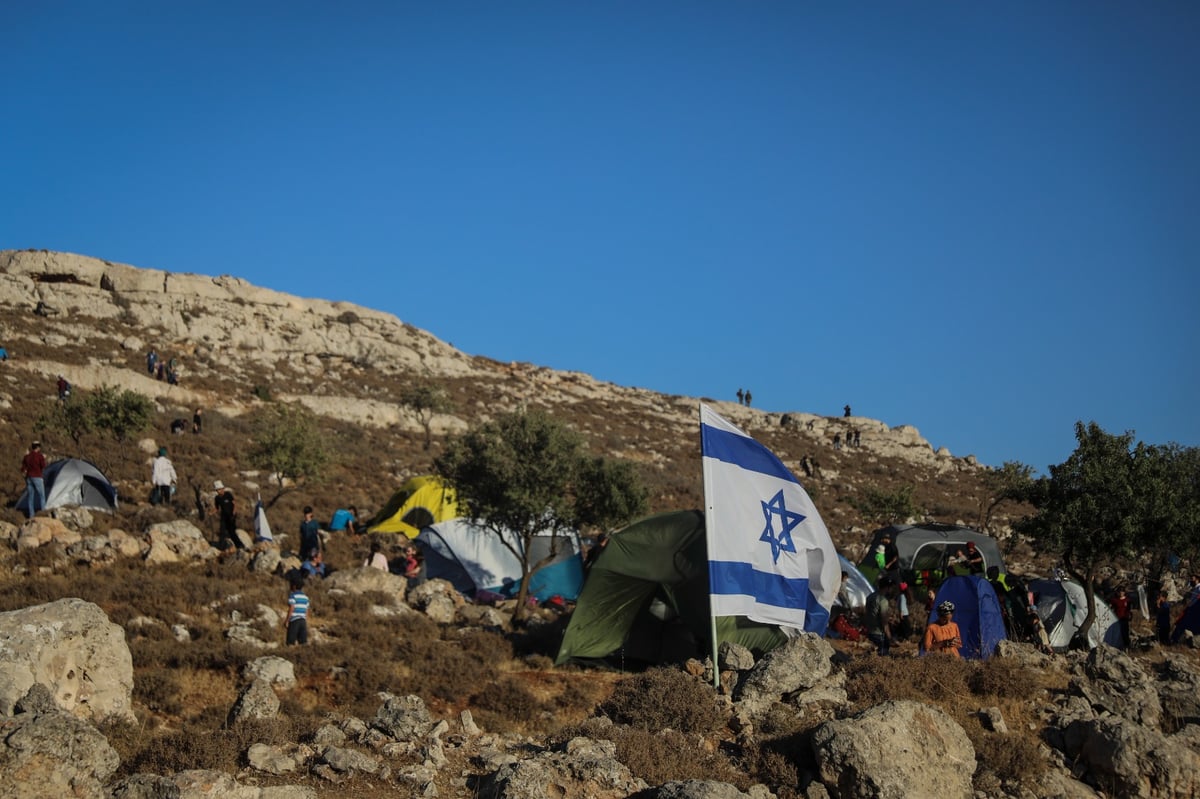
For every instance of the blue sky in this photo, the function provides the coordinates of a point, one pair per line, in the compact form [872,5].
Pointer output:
[979,219]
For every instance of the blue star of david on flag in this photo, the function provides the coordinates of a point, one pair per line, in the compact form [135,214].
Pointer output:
[762,562]
[781,541]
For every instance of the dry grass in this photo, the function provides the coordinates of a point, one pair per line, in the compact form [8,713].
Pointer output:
[183,691]
[962,688]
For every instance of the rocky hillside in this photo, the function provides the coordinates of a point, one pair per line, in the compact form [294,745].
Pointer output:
[138,661]
[93,321]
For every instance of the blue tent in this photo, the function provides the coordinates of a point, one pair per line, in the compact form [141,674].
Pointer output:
[1188,621]
[977,613]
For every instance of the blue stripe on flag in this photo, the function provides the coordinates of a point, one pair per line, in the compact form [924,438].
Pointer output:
[734,577]
[743,452]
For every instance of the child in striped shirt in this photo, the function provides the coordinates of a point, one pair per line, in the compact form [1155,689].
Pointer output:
[297,613]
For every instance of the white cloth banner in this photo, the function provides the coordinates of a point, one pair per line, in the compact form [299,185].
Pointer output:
[770,557]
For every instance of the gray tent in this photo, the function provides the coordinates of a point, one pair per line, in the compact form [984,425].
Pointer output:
[1062,606]
[75,482]
[927,551]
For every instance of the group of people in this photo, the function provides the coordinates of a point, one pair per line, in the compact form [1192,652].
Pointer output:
[887,617]
[1168,632]
[410,564]
[162,370]
[853,438]
[743,397]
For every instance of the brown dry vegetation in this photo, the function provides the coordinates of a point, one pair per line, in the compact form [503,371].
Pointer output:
[664,723]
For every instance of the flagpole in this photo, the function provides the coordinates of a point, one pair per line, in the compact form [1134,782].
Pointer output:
[708,516]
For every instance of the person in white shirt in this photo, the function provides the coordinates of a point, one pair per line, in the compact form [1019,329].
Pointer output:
[376,560]
[162,478]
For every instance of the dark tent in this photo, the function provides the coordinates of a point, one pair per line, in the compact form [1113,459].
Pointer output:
[75,482]
[1188,621]
[926,551]
[645,598]
[977,613]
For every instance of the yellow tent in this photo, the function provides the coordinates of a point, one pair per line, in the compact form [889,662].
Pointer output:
[420,502]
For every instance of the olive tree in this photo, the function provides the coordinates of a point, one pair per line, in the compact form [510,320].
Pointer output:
[525,474]
[1008,483]
[424,399]
[882,507]
[119,413]
[1110,500]
[288,443]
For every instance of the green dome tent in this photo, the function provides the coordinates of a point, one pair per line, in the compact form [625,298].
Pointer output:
[645,598]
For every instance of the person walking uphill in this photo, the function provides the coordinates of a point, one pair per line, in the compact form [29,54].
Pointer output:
[226,518]
[162,478]
[32,466]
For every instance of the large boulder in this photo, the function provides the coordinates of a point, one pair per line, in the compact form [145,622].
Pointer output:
[42,530]
[1128,759]
[362,580]
[886,752]
[72,648]
[54,754]
[437,599]
[582,769]
[404,718]
[800,663]
[1179,692]
[177,540]
[1113,681]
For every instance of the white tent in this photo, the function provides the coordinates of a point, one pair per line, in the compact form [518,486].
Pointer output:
[858,587]
[474,559]
[1062,606]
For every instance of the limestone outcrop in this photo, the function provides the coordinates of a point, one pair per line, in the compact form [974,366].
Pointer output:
[70,647]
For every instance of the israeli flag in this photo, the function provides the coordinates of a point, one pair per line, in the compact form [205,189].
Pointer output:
[770,557]
[262,529]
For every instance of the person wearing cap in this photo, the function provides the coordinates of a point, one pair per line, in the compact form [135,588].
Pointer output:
[33,465]
[310,534]
[162,478]
[974,559]
[226,517]
[943,635]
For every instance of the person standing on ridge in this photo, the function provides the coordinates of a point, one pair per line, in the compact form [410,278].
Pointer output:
[846,412]
[32,466]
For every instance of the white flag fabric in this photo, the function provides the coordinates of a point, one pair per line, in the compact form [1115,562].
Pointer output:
[262,530]
[769,555]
